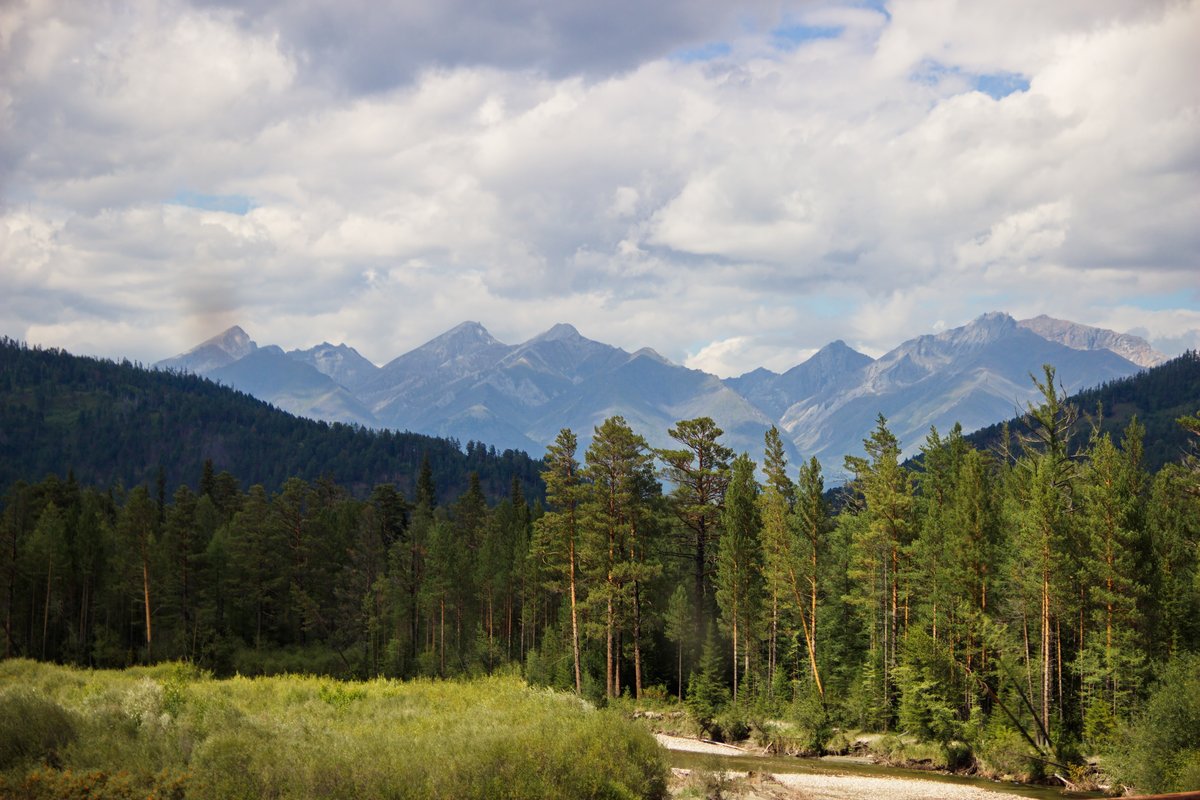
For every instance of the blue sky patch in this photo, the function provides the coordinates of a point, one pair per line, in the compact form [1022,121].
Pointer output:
[229,203]
[1182,298]
[878,5]
[1001,84]
[789,37]
[993,84]
[704,52]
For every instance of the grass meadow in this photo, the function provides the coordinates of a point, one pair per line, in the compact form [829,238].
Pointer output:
[170,731]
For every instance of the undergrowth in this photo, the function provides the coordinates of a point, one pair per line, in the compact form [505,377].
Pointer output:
[173,732]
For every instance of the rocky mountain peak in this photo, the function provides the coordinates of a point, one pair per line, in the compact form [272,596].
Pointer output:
[1084,337]
[225,348]
[561,331]
[234,341]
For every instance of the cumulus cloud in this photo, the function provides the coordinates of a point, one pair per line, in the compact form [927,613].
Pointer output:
[377,173]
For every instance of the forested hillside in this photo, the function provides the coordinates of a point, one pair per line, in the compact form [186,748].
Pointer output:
[107,422]
[1157,397]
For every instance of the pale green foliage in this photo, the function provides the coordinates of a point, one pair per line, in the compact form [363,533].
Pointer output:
[303,737]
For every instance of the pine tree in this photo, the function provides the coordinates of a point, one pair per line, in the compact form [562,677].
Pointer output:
[739,564]
[619,518]
[887,492]
[812,526]
[699,471]
[136,532]
[678,628]
[1046,478]
[47,549]
[557,532]
[775,507]
[1111,495]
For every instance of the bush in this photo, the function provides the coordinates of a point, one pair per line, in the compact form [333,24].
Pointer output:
[731,725]
[224,767]
[811,719]
[1003,752]
[32,728]
[1160,751]
[301,737]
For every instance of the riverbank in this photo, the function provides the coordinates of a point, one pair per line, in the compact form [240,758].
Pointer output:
[700,767]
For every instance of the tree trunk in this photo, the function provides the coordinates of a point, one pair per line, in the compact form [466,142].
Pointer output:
[146,600]
[637,643]
[575,623]
[46,611]
[1046,673]
[735,649]
[608,653]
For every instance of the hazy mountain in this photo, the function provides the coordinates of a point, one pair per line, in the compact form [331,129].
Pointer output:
[468,385]
[294,386]
[973,375]
[834,364]
[652,394]
[338,361]
[219,351]
[1085,337]
[291,382]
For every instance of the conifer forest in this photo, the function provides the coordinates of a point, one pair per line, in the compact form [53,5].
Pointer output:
[1034,595]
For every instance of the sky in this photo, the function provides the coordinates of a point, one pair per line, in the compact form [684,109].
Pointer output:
[732,184]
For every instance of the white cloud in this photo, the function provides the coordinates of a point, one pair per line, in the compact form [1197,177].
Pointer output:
[705,208]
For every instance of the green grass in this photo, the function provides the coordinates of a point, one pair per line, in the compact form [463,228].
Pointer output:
[171,732]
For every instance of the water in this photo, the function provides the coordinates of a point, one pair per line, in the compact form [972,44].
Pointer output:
[811,766]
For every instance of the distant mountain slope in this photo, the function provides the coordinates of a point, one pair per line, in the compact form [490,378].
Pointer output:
[834,364]
[340,362]
[113,422]
[294,386]
[972,375]
[468,385]
[1158,396]
[465,382]
[298,382]
[1085,337]
[653,394]
[219,351]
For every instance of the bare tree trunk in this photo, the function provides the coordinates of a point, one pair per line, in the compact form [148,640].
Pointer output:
[1046,672]
[46,611]
[575,622]
[679,686]
[735,650]
[637,643]
[609,681]
[810,631]
[146,598]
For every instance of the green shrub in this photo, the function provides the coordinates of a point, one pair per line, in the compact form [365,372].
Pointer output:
[1160,751]
[225,766]
[32,728]
[1003,752]
[731,725]
[160,733]
[811,719]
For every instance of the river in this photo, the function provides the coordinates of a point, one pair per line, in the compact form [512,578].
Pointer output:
[836,769]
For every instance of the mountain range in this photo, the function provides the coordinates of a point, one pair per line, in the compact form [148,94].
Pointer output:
[468,385]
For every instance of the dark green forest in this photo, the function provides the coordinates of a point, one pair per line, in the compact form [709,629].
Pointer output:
[1157,397]
[110,423]
[1038,601]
